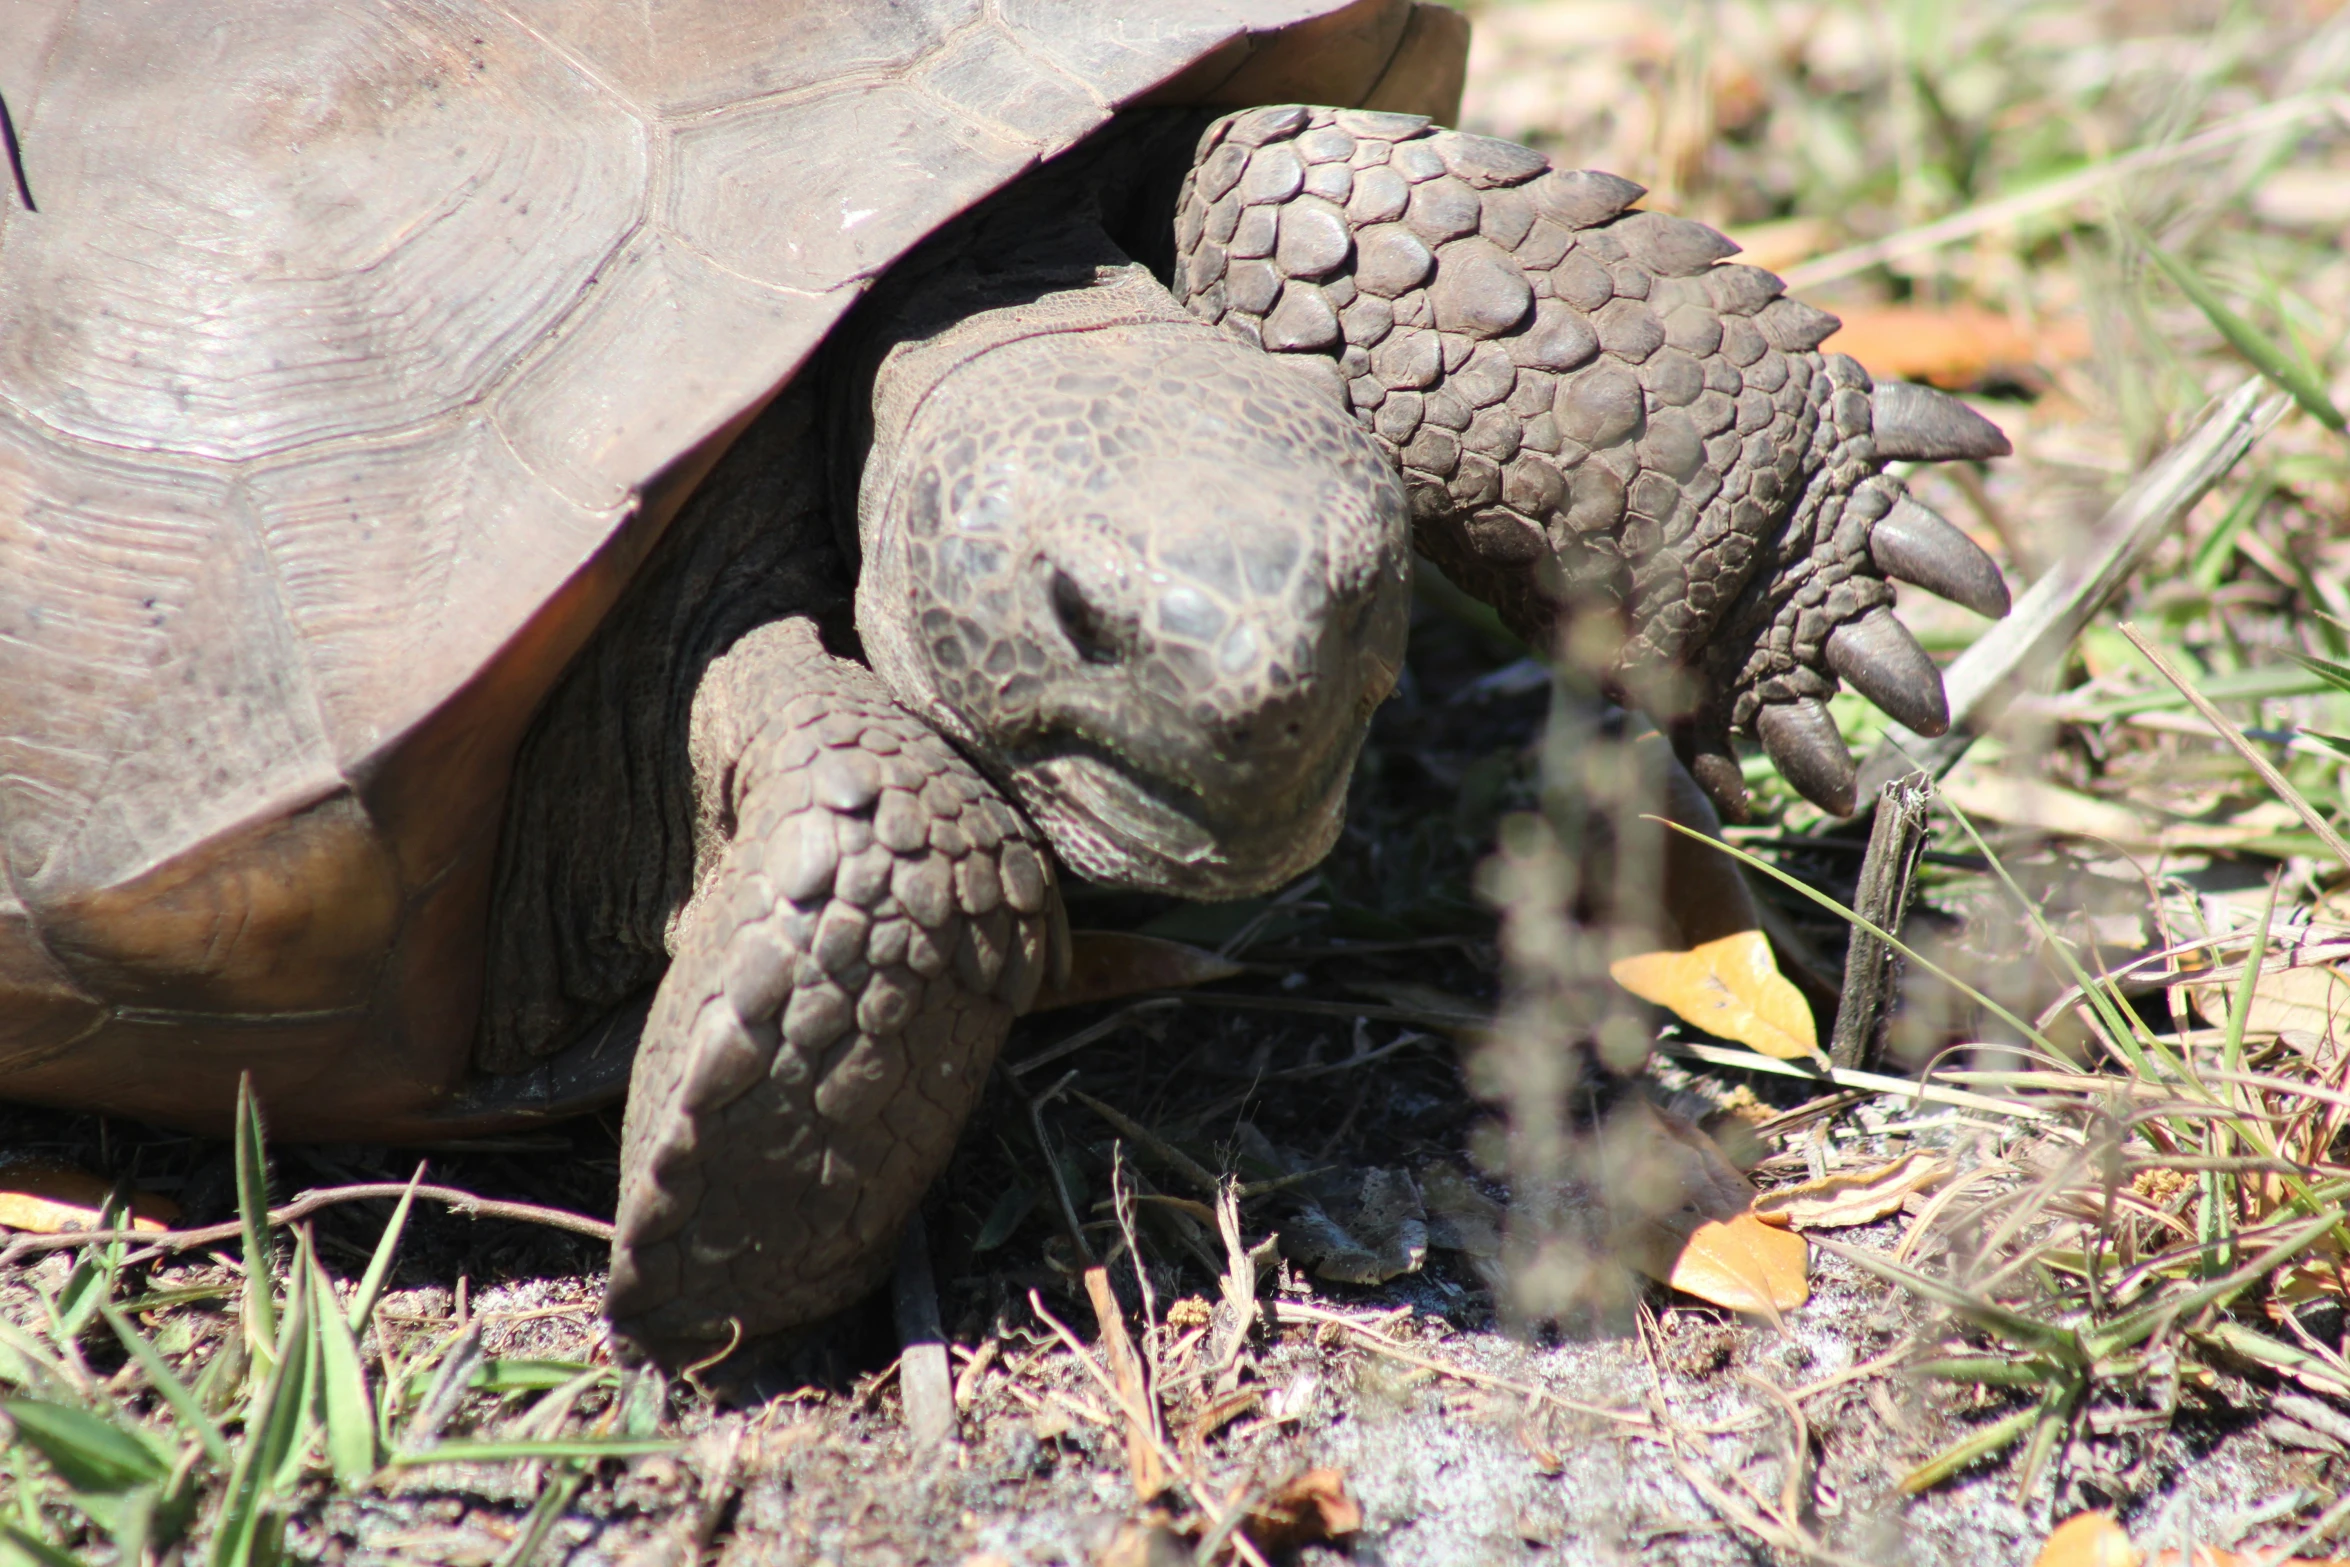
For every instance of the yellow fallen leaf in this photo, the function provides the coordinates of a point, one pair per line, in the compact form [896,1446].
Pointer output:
[1110,965]
[1745,1265]
[1851,1197]
[48,1197]
[2088,1540]
[1730,987]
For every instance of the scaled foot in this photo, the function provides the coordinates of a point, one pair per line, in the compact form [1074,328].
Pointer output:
[1596,412]
[868,918]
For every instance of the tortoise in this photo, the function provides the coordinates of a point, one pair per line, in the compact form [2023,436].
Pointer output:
[586,550]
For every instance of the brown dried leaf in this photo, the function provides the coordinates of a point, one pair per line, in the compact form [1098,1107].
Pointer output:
[1956,346]
[1743,1264]
[1679,1212]
[1221,1410]
[1851,1197]
[2088,1540]
[49,1197]
[1110,965]
[1657,1170]
[2304,1000]
[1311,1508]
[1729,987]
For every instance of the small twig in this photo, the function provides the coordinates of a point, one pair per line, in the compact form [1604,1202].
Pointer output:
[1052,1170]
[1369,1011]
[1138,1421]
[1142,1425]
[308,1203]
[1875,1083]
[975,1368]
[1069,1401]
[1811,1110]
[1872,970]
[1151,1142]
[1092,1033]
[923,1381]
[1791,1484]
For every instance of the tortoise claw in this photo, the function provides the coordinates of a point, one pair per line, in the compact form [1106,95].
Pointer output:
[1913,544]
[1922,425]
[1703,748]
[1804,744]
[1876,656]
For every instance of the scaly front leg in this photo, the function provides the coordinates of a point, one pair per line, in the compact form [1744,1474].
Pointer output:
[1595,412]
[869,916]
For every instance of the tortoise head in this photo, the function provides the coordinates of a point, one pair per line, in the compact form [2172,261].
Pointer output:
[1152,580]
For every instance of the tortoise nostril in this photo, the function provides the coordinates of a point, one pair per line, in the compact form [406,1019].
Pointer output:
[1088,631]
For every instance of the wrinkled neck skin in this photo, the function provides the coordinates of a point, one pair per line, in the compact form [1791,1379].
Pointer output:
[1151,579]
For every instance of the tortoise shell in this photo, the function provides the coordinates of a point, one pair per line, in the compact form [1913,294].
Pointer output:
[353,353]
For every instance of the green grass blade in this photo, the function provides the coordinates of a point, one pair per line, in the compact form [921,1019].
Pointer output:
[1994,1438]
[2264,355]
[221,1383]
[583,1447]
[89,1452]
[2048,1426]
[2331,671]
[1984,1370]
[2139,1325]
[38,1549]
[503,1376]
[2014,1326]
[546,1417]
[379,1266]
[253,1213]
[244,1534]
[133,1525]
[166,1382]
[28,1363]
[2121,1025]
[2240,1004]
[2218,549]
[309,1422]
[92,1279]
[184,1295]
[349,1411]
[642,1401]
[2251,1344]
[555,1499]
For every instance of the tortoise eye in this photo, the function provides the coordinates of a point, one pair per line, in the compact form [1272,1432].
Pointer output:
[1087,629]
